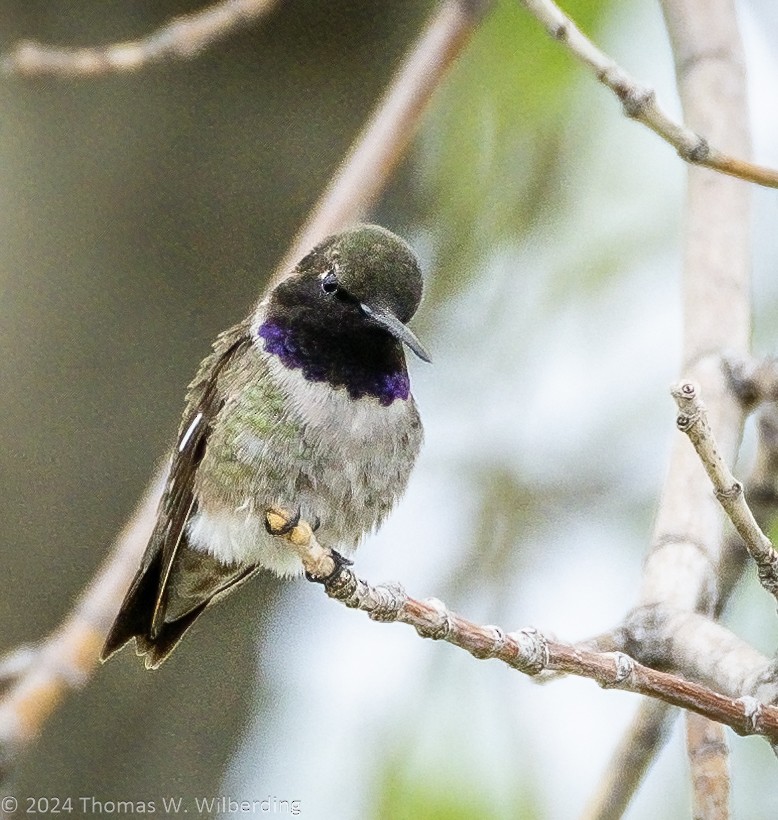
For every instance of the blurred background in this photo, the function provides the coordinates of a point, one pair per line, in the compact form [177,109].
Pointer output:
[142,213]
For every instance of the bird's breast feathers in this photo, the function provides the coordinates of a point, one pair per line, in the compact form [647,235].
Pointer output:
[283,440]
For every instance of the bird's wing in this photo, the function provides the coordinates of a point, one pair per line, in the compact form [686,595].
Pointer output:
[142,613]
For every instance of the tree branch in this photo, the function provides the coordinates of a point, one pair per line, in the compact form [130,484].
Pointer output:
[67,658]
[640,103]
[182,38]
[527,650]
[693,420]
[709,764]
[680,571]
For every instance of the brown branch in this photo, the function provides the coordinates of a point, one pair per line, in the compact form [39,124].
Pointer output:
[182,38]
[640,103]
[69,656]
[527,650]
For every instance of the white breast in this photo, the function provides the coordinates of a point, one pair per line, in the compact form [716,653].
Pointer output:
[333,414]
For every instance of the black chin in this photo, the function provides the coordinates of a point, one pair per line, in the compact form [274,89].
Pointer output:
[329,339]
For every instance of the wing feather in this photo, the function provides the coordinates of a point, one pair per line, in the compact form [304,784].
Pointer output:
[142,614]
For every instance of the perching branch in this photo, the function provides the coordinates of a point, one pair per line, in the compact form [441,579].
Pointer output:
[181,38]
[527,650]
[68,657]
[693,420]
[640,103]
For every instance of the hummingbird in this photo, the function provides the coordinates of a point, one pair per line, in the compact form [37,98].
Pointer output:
[305,405]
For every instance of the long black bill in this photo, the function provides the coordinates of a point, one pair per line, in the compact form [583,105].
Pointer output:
[385,318]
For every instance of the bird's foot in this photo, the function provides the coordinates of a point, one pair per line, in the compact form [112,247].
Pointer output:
[281,522]
[339,561]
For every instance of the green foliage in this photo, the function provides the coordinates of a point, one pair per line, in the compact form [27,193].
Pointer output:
[491,144]
[430,795]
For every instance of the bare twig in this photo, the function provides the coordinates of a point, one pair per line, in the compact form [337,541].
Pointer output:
[643,739]
[527,650]
[181,38]
[693,420]
[69,656]
[645,735]
[709,762]
[640,102]
[387,134]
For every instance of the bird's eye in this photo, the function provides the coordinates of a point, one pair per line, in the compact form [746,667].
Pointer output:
[329,283]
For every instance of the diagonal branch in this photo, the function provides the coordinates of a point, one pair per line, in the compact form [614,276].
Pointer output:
[67,658]
[693,420]
[640,103]
[181,38]
[527,650]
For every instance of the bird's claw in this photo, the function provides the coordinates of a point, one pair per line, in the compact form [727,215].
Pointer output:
[339,561]
[289,522]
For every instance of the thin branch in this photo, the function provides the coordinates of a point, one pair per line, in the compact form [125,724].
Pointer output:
[69,656]
[385,138]
[709,762]
[527,650]
[640,103]
[708,750]
[762,495]
[641,742]
[647,732]
[693,420]
[182,38]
